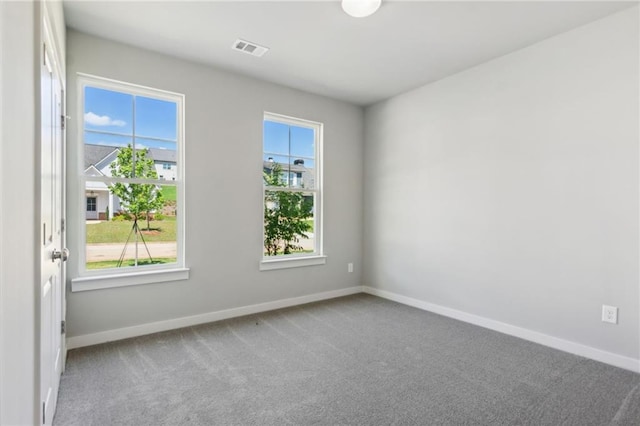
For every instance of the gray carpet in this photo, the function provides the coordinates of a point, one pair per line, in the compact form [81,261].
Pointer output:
[357,360]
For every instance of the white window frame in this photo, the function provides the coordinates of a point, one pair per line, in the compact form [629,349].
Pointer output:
[300,259]
[108,278]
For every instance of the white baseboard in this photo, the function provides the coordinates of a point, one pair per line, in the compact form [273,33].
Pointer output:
[155,327]
[523,333]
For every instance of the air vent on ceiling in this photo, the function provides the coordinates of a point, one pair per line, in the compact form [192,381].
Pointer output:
[249,48]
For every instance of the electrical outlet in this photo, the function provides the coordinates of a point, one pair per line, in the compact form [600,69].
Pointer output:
[610,314]
[349,267]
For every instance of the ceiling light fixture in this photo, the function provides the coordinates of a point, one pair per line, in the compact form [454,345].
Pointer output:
[360,8]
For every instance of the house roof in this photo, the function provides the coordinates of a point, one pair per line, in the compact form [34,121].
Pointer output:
[165,155]
[94,154]
[92,171]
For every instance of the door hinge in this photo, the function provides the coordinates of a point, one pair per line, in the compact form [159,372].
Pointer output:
[63,121]
[62,224]
[44,413]
[63,327]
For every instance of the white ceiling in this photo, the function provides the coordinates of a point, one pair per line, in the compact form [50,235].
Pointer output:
[316,47]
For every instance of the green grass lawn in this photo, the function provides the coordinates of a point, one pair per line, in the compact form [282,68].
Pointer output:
[117,231]
[104,264]
[310,222]
[169,192]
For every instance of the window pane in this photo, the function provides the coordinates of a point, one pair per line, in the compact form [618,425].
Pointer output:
[303,174]
[275,170]
[276,138]
[302,142]
[169,203]
[291,149]
[108,111]
[156,118]
[270,157]
[107,139]
[132,225]
[100,150]
[91,204]
[164,156]
[288,223]
[118,161]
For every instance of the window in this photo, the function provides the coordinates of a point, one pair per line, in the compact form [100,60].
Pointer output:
[91,204]
[166,166]
[292,197]
[133,216]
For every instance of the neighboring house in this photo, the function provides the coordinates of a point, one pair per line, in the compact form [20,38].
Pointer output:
[296,174]
[165,162]
[100,204]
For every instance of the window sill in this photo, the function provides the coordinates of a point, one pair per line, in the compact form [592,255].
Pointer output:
[292,262]
[125,280]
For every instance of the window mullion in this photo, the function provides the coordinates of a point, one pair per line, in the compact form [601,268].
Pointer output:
[129,135]
[114,179]
[103,132]
[289,189]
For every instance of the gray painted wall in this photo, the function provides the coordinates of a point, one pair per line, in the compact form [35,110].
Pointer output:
[510,190]
[223,190]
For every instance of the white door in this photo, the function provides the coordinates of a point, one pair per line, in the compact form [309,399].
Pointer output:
[52,285]
[92,208]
